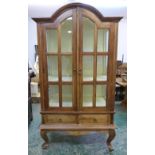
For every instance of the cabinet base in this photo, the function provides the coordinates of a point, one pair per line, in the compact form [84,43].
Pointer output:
[77,127]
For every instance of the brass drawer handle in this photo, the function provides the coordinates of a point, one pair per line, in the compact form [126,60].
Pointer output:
[60,120]
[95,120]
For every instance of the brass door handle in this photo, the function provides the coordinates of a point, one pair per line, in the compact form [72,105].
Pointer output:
[74,70]
[79,71]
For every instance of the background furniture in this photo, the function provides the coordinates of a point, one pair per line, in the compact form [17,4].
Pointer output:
[77,60]
[121,80]
[30,115]
[123,83]
[35,83]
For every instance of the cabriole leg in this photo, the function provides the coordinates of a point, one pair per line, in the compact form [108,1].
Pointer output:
[45,138]
[110,138]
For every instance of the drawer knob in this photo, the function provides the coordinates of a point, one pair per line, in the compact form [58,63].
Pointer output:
[95,120]
[60,120]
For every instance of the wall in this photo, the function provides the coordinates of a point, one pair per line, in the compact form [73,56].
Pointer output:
[122,40]
[32,40]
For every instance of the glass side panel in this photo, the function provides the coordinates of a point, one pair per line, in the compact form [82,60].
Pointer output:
[66,68]
[53,95]
[100,95]
[87,96]
[88,35]
[88,68]
[67,96]
[66,35]
[52,40]
[102,62]
[103,40]
[52,63]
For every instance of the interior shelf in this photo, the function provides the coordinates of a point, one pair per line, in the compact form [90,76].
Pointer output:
[99,78]
[66,78]
[100,102]
[87,78]
[102,78]
[53,102]
[87,103]
[67,103]
[69,78]
[55,78]
[52,78]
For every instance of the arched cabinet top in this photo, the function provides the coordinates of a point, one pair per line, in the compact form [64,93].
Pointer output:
[74,6]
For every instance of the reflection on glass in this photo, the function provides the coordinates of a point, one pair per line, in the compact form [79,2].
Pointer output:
[67,96]
[100,95]
[66,35]
[53,93]
[88,35]
[103,38]
[66,68]
[52,62]
[102,68]
[87,95]
[88,68]
[52,40]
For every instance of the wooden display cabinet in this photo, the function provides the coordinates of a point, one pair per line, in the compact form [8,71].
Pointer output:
[77,61]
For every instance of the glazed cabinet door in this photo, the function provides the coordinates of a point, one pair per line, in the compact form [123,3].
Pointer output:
[78,61]
[93,61]
[59,39]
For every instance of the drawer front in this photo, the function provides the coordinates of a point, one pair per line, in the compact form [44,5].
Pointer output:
[59,119]
[99,119]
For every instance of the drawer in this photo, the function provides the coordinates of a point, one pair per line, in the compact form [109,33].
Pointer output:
[87,118]
[59,118]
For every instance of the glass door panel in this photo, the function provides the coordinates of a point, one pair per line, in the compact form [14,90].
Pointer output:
[53,95]
[52,40]
[66,36]
[102,68]
[66,68]
[103,40]
[88,35]
[88,68]
[67,96]
[52,63]
[87,96]
[100,95]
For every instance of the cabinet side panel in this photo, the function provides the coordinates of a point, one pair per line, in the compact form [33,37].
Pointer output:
[112,66]
[40,47]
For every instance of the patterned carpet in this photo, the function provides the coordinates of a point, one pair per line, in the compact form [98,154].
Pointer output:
[91,144]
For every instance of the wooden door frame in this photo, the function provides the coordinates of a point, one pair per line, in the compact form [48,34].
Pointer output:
[56,25]
[111,58]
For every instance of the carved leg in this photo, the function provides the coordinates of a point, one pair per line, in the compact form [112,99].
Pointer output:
[110,138]
[45,138]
